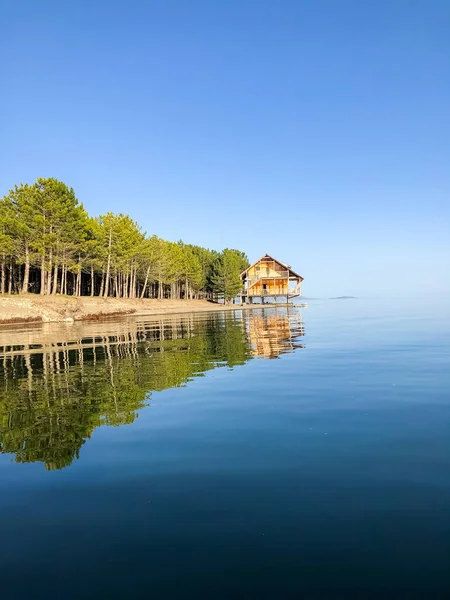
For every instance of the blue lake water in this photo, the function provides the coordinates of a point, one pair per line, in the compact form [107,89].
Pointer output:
[253,454]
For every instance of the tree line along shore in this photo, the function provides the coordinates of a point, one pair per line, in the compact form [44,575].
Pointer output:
[50,246]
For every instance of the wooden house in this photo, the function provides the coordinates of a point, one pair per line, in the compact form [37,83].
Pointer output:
[269,277]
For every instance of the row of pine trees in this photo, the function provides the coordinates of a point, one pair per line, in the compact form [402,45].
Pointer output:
[49,245]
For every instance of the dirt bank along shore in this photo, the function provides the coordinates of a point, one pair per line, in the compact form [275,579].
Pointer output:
[29,308]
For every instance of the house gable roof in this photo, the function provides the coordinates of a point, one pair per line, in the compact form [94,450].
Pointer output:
[267,256]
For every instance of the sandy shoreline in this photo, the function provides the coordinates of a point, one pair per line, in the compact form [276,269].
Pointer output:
[59,309]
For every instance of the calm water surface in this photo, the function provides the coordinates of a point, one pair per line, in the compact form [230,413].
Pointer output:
[259,454]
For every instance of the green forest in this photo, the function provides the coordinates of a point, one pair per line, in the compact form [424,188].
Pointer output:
[50,245]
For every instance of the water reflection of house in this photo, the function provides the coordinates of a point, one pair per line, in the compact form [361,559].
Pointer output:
[272,334]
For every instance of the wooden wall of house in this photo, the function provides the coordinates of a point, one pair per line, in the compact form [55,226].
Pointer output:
[260,269]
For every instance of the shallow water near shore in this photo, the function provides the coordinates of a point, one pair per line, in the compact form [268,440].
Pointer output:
[271,453]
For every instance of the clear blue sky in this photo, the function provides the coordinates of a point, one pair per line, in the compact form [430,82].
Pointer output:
[315,130]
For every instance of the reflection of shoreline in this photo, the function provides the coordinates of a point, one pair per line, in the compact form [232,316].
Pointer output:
[37,337]
[273,334]
[55,389]
[59,383]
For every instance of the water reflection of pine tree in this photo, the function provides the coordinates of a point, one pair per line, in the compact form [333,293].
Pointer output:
[58,385]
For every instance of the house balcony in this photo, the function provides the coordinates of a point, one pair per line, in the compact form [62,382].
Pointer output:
[274,291]
[271,273]
[267,274]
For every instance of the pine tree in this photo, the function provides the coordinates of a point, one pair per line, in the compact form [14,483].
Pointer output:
[49,245]
[226,273]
